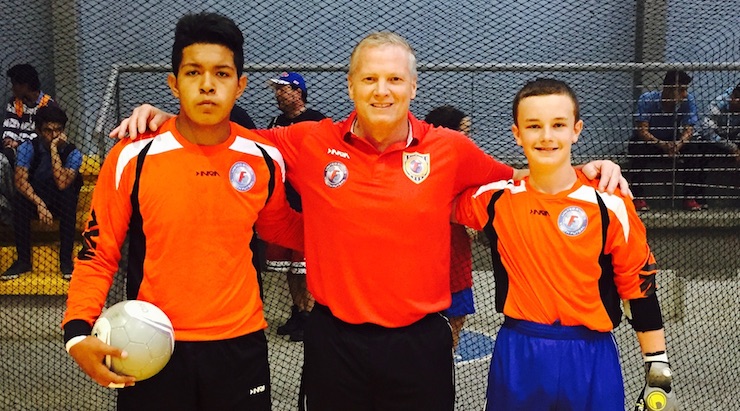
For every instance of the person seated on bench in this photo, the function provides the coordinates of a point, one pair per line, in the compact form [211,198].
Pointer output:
[48,183]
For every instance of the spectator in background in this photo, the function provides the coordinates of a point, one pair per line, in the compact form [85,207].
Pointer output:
[6,191]
[665,123]
[20,113]
[722,122]
[48,183]
[461,256]
[291,95]
[18,126]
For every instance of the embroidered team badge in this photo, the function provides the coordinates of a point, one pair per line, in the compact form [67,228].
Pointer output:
[335,174]
[242,176]
[572,221]
[416,166]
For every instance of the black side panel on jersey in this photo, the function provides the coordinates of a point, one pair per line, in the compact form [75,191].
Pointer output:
[256,245]
[499,272]
[136,238]
[607,287]
[271,167]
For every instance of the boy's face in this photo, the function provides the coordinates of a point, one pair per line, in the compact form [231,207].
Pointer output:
[24,93]
[546,128]
[207,83]
[49,131]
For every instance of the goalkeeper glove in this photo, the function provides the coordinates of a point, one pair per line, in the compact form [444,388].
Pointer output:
[657,394]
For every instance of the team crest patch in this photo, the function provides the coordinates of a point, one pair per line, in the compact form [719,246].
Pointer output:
[242,176]
[572,221]
[335,174]
[416,166]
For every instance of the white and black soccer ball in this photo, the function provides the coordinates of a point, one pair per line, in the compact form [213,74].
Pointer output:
[143,331]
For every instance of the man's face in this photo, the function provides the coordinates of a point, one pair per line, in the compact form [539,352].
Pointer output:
[735,104]
[678,93]
[207,83]
[546,128]
[24,93]
[382,86]
[49,131]
[287,97]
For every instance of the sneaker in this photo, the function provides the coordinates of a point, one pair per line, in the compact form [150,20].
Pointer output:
[291,324]
[15,270]
[297,334]
[66,270]
[691,205]
[641,205]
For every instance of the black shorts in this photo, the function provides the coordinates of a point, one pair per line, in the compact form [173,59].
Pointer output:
[219,375]
[367,367]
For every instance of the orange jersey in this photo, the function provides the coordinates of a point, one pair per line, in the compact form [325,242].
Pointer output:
[547,252]
[378,224]
[190,215]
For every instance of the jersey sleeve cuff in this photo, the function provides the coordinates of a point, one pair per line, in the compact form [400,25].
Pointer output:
[76,328]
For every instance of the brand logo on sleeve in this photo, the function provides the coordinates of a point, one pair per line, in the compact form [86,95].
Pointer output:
[335,174]
[572,221]
[242,176]
[416,166]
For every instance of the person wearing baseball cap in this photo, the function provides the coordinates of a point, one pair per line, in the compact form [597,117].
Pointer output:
[291,96]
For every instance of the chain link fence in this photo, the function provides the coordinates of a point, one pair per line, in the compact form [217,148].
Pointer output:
[100,59]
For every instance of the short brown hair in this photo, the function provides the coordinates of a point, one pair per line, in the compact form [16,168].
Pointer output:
[545,87]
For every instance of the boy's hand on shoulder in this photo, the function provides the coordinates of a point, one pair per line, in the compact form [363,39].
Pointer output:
[144,118]
[611,176]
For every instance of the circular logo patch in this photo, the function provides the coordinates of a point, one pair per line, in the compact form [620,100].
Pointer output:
[242,176]
[335,174]
[572,221]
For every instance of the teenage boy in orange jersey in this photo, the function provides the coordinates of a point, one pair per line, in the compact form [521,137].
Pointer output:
[377,190]
[190,197]
[564,256]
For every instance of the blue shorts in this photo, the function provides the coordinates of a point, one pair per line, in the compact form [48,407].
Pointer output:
[548,367]
[462,304]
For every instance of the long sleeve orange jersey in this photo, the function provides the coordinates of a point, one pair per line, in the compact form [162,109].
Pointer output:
[190,212]
[547,251]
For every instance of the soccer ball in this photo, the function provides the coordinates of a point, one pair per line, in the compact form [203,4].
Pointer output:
[143,331]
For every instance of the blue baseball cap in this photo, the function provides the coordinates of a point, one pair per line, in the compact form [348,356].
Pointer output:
[288,77]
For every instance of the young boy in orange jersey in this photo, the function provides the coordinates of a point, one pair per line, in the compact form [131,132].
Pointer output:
[190,197]
[564,255]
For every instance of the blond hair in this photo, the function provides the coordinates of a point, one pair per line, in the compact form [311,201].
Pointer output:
[383,38]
